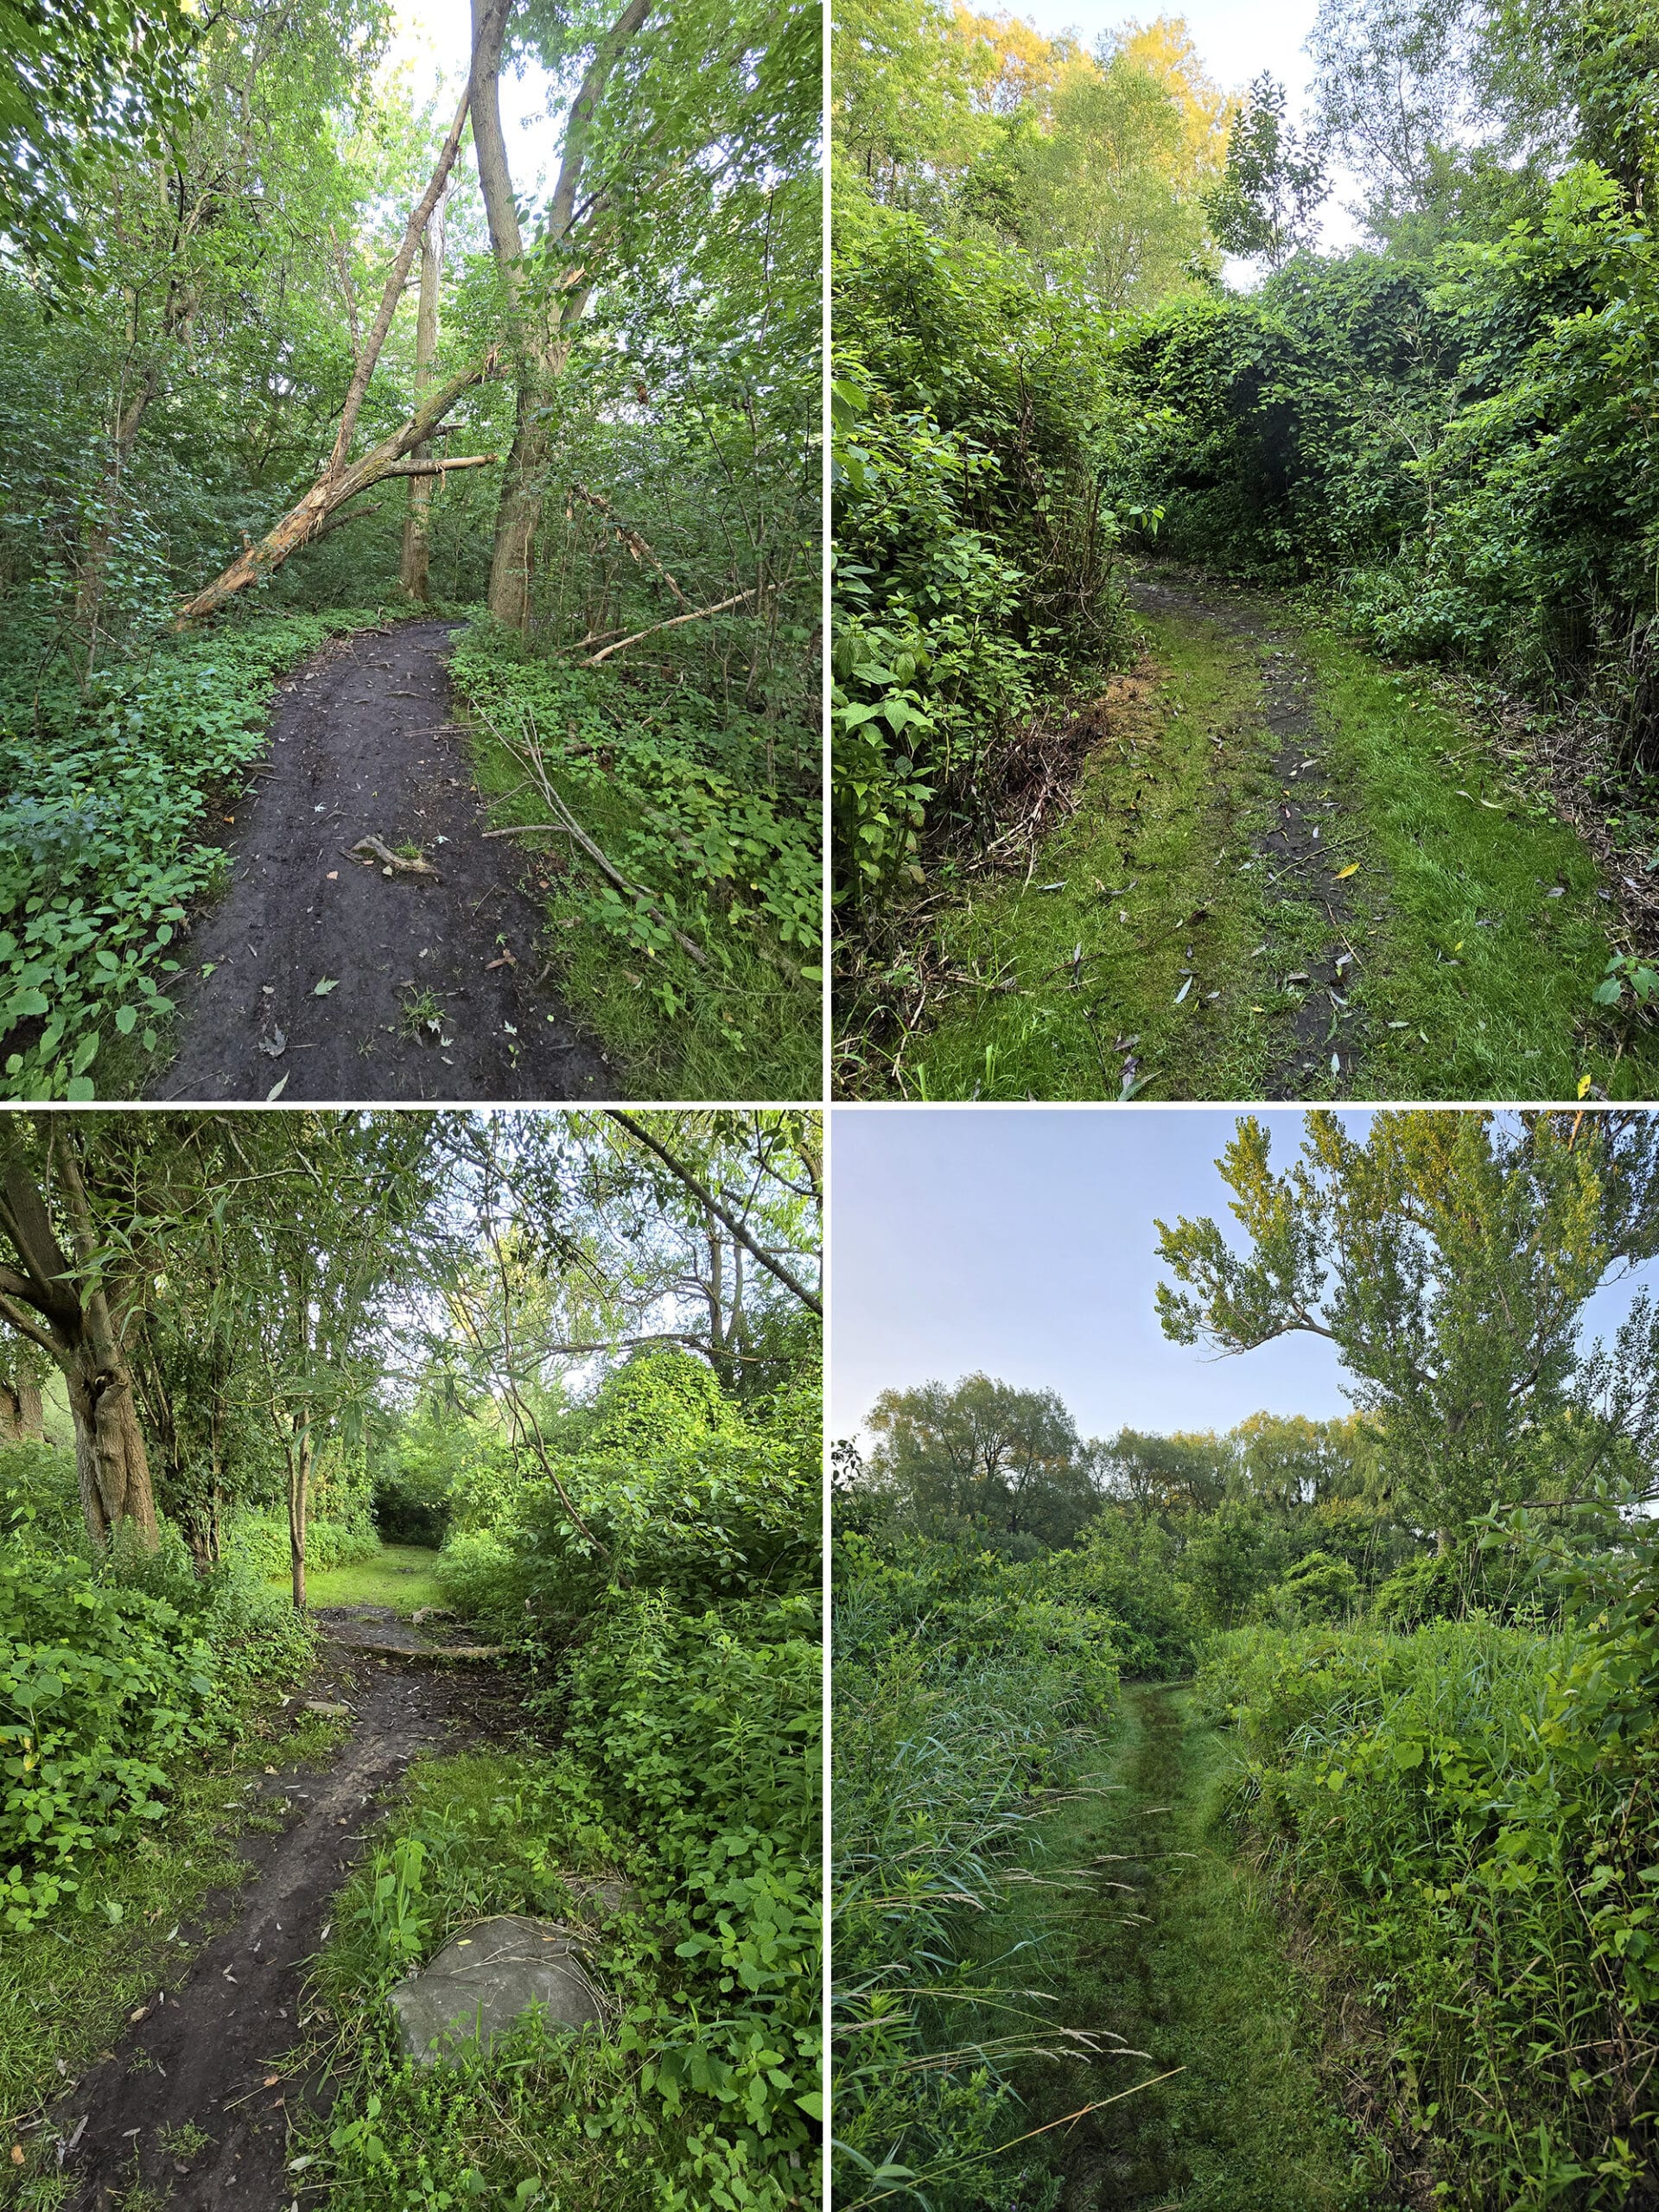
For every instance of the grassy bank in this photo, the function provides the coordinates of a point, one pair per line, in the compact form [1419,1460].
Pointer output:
[402,1576]
[711,812]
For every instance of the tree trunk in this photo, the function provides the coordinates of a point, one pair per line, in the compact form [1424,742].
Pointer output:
[299,1489]
[540,335]
[110,1457]
[75,1325]
[412,572]
[89,595]
[22,1417]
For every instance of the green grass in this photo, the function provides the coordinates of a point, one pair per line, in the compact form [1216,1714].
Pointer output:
[1150,863]
[1188,1966]
[1473,981]
[565,2119]
[401,1576]
[68,1987]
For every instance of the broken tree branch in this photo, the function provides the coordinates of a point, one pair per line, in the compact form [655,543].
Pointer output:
[700,1191]
[396,279]
[630,537]
[673,623]
[436,468]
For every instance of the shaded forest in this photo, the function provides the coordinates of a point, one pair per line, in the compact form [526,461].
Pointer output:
[285,353]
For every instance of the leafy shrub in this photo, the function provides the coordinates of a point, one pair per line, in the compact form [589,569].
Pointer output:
[97,868]
[1466,1811]
[40,1497]
[107,1674]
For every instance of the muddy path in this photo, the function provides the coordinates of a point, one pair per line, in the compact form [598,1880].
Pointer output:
[192,2105]
[431,989]
[1295,851]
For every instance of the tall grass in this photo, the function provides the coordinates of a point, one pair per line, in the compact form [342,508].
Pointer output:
[964,1700]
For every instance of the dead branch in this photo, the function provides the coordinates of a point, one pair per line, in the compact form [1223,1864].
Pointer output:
[673,623]
[630,537]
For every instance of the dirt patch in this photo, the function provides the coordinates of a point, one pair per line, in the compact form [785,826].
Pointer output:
[192,2103]
[362,746]
[1297,849]
[380,1628]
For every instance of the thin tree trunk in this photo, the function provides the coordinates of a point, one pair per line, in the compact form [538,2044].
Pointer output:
[412,572]
[299,1488]
[89,595]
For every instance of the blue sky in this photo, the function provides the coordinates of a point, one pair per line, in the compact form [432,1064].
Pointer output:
[1021,1241]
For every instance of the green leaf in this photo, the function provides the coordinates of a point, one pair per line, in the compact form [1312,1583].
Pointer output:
[328,983]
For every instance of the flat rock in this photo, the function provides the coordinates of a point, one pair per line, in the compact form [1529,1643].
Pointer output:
[484,1981]
[324,1710]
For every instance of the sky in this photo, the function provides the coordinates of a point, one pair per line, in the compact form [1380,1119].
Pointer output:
[1021,1241]
[435,38]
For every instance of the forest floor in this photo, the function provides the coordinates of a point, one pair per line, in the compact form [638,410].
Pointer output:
[320,973]
[187,2107]
[1165,1940]
[1284,870]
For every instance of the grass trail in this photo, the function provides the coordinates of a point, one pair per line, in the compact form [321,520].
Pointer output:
[1163,1939]
[399,1575]
[1440,934]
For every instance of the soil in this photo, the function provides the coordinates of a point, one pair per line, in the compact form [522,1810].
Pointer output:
[1297,849]
[205,2055]
[362,746]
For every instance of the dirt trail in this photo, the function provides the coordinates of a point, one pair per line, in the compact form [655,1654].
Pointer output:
[362,746]
[1296,848]
[201,2056]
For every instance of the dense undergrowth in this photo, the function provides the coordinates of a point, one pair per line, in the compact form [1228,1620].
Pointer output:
[106,841]
[1462,1813]
[707,804]
[659,1586]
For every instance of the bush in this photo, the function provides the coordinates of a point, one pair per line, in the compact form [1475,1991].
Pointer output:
[107,1674]
[1467,1812]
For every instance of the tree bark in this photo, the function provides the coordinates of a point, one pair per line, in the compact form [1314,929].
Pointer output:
[412,568]
[22,1417]
[89,593]
[299,1503]
[76,1324]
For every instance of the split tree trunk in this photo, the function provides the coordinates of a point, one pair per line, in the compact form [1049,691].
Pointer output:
[412,571]
[75,1322]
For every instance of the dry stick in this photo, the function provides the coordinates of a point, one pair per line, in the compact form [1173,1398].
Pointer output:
[699,1190]
[630,537]
[568,826]
[673,623]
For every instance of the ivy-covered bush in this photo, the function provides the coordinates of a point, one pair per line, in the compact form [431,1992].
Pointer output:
[972,414]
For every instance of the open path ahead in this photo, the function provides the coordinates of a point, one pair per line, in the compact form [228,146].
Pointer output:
[1165,1941]
[1283,870]
[333,977]
[192,2105]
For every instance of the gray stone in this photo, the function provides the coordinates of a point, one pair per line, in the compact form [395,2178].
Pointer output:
[324,1710]
[484,1981]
